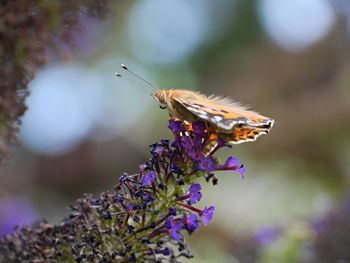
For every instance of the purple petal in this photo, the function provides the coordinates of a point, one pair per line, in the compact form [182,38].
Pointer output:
[198,127]
[197,141]
[149,178]
[191,223]
[159,150]
[266,236]
[186,142]
[195,155]
[178,226]
[147,198]
[174,234]
[169,222]
[173,227]
[152,175]
[208,214]
[17,211]
[206,164]
[194,188]
[231,162]
[195,194]
[241,170]
[176,126]
[195,197]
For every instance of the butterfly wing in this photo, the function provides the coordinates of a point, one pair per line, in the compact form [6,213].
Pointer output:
[239,135]
[235,122]
[224,113]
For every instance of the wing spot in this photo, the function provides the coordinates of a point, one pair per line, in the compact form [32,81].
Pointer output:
[196,110]
[196,105]
[202,115]
[217,118]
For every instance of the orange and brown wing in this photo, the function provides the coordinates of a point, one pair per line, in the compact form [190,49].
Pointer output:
[240,135]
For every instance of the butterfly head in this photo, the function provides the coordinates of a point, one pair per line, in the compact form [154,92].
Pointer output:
[161,97]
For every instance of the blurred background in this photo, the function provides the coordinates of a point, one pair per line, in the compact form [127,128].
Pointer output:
[289,60]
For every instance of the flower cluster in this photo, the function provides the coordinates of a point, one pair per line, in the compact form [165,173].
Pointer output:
[195,145]
[144,218]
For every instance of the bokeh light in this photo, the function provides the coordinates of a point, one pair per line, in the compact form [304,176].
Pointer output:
[165,31]
[296,24]
[55,122]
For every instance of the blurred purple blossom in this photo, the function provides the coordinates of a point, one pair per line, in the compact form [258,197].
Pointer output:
[266,235]
[16,211]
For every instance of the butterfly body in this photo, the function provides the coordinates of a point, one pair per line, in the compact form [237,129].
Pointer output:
[230,120]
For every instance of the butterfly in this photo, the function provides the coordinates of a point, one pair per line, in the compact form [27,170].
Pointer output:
[230,120]
[235,123]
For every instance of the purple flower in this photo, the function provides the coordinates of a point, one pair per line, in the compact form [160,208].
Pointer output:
[159,151]
[198,127]
[186,142]
[176,126]
[206,164]
[266,235]
[241,170]
[195,155]
[233,164]
[176,144]
[195,194]
[14,212]
[149,178]
[208,214]
[197,141]
[173,227]
[191,223]
[147,198]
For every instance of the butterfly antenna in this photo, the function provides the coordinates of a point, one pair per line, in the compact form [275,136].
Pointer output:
[123,77]
[137,76]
